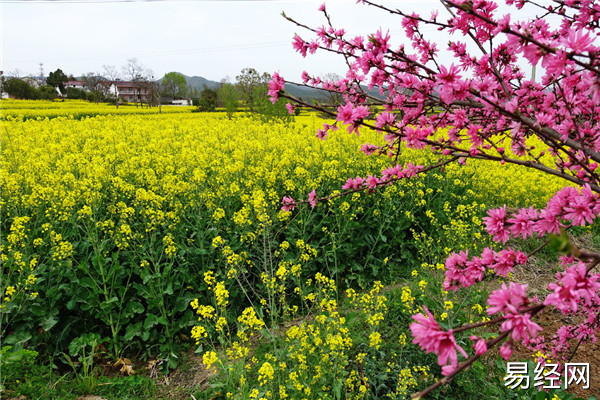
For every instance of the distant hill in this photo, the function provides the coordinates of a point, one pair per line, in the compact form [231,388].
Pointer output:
[300,92]
[198,82]
[304,93]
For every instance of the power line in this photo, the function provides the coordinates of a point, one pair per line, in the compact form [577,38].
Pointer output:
[113,1]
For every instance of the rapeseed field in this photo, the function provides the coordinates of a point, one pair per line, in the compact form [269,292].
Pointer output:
[158,232]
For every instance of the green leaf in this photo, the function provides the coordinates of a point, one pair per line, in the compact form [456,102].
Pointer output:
[49,322]
[560,243]
[76,345]
[151,320]
[147,277]
[169,289]
[109,304]
[133,308]
[541,395]
[17,338]
[71,304]
[375,269]
[87,283]
[183,302]
[132,331]
[337,390]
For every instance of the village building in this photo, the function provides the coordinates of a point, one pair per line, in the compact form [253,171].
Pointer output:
[129,91]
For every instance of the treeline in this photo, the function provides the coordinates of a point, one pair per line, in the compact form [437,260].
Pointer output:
[249,92]
[20,89]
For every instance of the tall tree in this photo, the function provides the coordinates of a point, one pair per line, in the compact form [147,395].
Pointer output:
[46,92]
[2,82]
[208,99]
[57,79]
[334,97]
[229,97]
[247,83]
[154,94]
[174,85]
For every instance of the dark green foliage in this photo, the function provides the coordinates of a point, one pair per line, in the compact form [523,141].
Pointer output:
[208,100]
[20,89]
[74,93]
[57,79]
[23,90]
[47,92]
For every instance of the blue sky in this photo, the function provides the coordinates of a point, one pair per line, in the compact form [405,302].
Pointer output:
[214,39]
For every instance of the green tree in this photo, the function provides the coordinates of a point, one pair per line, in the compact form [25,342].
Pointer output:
[229,97]
[57,79]
[247,83]
[174,85]
[46,92]
[74,93]
[267,111]
[208,99]
[19,89]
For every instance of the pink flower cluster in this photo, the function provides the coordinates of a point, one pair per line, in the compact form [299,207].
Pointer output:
[462,272]
[574,288]
[567,207]
[276,85]
[433,339]
[351,115]
[477,87]
[474,107]
[388,176]
[289,204]
[512,301]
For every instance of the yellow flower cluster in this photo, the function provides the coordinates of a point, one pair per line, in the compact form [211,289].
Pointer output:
[221,294]
[250,319]
[198,333]
[407,381]
[209,358]
[19,110]
[408,301]
[371,304]
[265,373]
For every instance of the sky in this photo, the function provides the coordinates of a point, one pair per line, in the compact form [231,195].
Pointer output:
[213,39]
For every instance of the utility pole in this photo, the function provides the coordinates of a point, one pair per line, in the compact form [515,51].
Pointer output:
[42,79]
